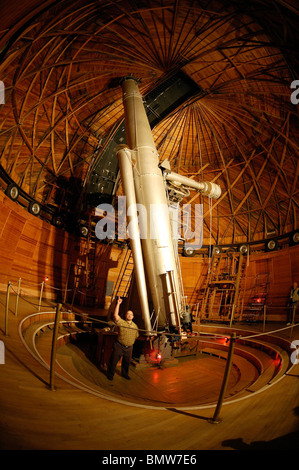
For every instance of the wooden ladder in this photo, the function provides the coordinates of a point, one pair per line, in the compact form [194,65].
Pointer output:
[81,276]
[123,282]
[224,283]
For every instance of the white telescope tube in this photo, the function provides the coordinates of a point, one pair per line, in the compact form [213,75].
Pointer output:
[125,166]
[157,247]
[206,188]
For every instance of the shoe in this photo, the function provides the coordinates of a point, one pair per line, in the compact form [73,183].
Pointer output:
[126,377]
[109,377]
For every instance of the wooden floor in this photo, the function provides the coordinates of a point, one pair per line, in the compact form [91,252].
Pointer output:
[34,417]
[169,386]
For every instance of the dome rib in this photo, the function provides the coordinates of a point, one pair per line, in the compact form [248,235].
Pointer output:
[61,71]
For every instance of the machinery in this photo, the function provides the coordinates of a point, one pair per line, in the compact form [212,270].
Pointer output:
[151,190]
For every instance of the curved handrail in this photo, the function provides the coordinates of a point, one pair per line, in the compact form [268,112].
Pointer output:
[68,318]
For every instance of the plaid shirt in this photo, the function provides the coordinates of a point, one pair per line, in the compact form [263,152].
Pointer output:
[128,334]
[294,295]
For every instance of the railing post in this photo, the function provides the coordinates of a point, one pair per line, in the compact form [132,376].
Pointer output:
[264,317]
[41,295]
[54,346]
[293,320]
[17,298]
[73,298]
[6,308]
[197,316]
[229,360]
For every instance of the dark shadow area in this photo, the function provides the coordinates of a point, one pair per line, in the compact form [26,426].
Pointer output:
[87,343]
[78,269]
[286,442]
[25,365]
[190,415]
[67,250]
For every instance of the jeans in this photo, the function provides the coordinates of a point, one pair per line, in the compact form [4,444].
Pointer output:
[292,308]
[118,351]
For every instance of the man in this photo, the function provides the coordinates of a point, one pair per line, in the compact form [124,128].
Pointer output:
[123,347]
[293,302]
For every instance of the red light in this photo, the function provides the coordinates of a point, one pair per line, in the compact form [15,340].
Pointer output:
[159,356]
[46,278]
[277,362]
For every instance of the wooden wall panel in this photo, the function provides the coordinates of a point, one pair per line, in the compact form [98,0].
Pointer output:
[295,265]
[282,266]
[31,248]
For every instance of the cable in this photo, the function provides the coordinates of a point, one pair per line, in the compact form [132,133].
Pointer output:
[217,336]
[269,332]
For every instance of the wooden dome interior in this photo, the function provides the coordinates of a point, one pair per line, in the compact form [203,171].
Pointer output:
[61,62]
[61,65]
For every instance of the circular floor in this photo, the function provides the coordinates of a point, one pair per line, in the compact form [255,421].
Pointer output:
[33,417]
[190,380]
[184,382]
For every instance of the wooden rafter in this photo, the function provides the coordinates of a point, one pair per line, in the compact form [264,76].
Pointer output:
[240,130]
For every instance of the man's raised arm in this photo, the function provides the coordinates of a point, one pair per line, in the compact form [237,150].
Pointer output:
[116,311]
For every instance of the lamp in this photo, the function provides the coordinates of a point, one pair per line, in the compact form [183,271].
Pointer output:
[34,208]
[294,238]
[271,244]
[243,249]
[188,251]
[12,191]
[83,231]
[57,221]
